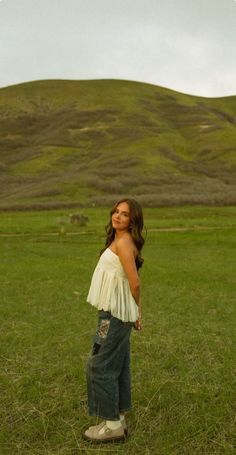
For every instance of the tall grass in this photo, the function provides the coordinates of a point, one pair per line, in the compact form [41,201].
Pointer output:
[183,362]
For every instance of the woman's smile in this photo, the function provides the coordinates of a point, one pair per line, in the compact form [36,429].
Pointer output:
[121,216]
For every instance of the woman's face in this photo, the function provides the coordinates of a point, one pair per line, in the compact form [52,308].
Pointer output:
[121,217]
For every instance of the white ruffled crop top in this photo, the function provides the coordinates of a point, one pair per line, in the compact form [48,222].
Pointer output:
[110,290]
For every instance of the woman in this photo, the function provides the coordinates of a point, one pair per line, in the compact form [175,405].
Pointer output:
[115,292]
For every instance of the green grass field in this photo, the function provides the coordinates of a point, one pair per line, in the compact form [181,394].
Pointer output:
[183,362]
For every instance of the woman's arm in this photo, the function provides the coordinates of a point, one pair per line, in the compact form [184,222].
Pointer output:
[126,253]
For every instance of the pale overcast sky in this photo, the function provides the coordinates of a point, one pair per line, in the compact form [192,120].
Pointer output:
[185,45]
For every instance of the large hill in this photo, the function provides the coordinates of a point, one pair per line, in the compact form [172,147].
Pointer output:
[89,142]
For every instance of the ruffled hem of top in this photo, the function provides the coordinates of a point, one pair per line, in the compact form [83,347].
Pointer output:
[111,293]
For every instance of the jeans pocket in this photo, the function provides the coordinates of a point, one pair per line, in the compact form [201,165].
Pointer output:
[103,328]
[101,334]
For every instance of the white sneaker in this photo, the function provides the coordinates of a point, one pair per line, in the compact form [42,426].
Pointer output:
[108,435]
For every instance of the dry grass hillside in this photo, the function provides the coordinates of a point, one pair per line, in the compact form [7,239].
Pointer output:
[66,143]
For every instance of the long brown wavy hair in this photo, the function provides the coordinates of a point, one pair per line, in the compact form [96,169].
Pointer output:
[136,227]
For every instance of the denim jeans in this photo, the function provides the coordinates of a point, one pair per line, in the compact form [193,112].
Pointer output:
[108,368]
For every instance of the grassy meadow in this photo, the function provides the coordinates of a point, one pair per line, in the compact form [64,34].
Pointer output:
[183,362]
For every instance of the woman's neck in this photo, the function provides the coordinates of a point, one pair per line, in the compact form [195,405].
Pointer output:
[120,234]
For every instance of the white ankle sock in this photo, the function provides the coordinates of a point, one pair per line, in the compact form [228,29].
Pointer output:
[122,417]
[113,424]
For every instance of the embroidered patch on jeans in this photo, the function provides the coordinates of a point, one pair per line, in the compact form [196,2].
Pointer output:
[103,328]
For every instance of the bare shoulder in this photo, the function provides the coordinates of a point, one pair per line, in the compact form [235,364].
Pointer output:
[125,243]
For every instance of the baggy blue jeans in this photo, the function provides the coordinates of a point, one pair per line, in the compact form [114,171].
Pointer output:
[108,368]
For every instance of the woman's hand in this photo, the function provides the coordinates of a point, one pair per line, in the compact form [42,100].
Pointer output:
[138,325]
